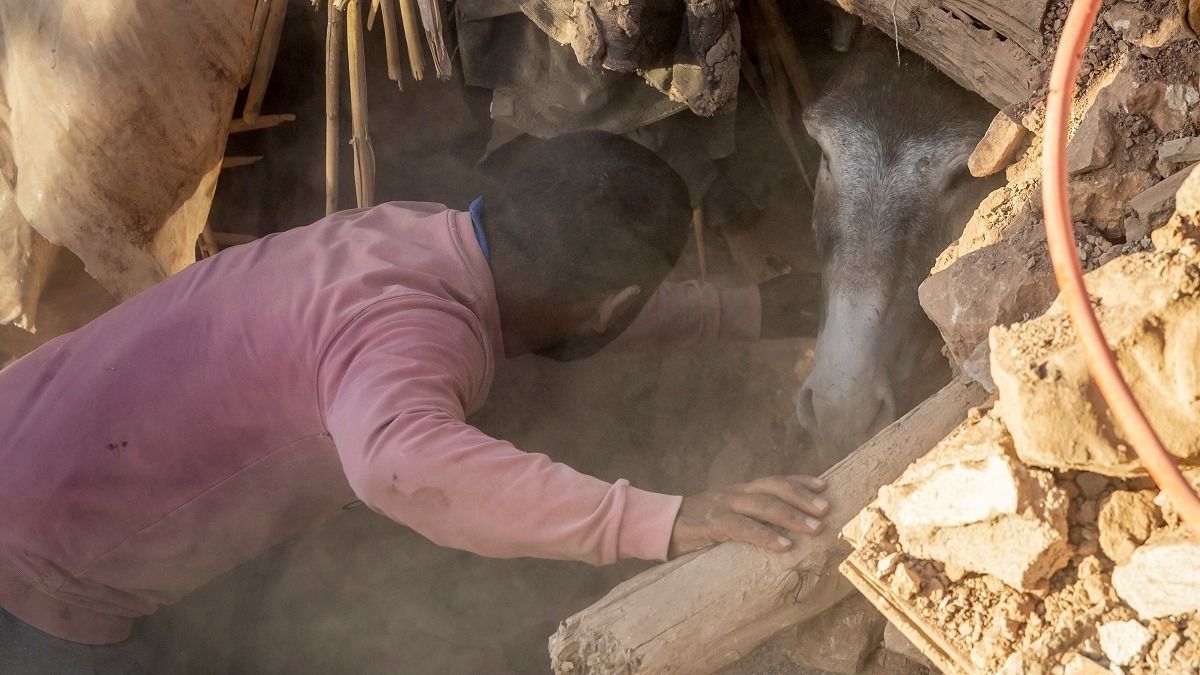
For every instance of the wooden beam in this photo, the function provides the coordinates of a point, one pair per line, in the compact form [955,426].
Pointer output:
[701,612]
[992,47]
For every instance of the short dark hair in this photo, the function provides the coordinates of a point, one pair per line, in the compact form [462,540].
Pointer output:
[590,212]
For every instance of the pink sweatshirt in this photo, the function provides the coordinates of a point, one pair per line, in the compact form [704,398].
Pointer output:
[254,394]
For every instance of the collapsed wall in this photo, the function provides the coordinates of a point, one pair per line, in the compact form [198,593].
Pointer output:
[1030,539]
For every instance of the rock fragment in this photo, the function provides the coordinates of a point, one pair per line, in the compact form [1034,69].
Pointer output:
[1091,147]
[906,582]
[972,506]
[840,640]
[1124,641]
[1180,150]
[895,641]
[1127,519]
[998,284]
[998,148]
[1149,307]
[1155,205]
[1162,577]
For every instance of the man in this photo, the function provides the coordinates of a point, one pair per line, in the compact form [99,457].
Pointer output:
[256,393]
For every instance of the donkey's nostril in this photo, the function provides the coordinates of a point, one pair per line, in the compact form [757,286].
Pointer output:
[805,409]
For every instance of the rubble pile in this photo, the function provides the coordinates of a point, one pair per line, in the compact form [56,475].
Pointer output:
[1030,539]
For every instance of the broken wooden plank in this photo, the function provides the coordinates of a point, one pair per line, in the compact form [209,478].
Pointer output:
[991,47]
[263,122]
[925,637]
[706,610]
[234,161]
[432,18]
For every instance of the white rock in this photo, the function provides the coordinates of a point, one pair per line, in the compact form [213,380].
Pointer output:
[1124,641]
[1162,577]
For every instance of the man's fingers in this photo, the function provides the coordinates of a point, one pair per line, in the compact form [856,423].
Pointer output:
[774,511]
[750,531]
[795,490]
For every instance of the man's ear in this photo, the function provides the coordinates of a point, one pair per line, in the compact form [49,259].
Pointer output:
[612,307]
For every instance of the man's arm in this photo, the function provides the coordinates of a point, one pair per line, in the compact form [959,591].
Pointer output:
[691,314]
[394,389]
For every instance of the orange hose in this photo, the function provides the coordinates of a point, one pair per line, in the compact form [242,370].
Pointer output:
[1061,240]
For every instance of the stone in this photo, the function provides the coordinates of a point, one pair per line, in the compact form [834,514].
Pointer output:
[906,582]
[1091,485]
[840,639]
[1123,642]
[1082,665]
[1127,519]
[999,147]
[1148,305]
[1005,282]
[1155,204]
[971,505]
[1184,226]
[1162,577]
[1180,150]
[1091,147]
[1101,198]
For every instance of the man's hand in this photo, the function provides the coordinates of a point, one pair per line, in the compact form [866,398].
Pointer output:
[747,512]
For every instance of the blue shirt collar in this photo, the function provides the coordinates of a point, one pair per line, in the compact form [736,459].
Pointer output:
[476,211]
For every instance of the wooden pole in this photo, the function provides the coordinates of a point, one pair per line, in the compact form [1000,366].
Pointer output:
[364,155]
[265,61]
[333,83]
[706,610]
[411,17]
[391,42]
[262,9]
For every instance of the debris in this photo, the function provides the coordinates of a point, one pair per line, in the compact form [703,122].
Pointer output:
[1082,665]
[1180,150]
[998,284]
[364,154]
[1091,485]
[1149,307]
[1091,147]
[906,582]
[840,640]
[1162,577]
[1126,521]
[1154,205]
[410,16]
[1123,641]
[894,641]
[971,505]
[999,147]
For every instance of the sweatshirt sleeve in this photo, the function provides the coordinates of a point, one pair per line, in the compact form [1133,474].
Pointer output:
[690,314]
[395,387]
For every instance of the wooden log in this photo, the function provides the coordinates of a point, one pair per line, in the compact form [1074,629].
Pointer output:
[992,47]
[333,83]
[706,610]
[265,61]
[364,155]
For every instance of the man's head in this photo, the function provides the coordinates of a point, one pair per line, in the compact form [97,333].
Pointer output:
[581,235]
